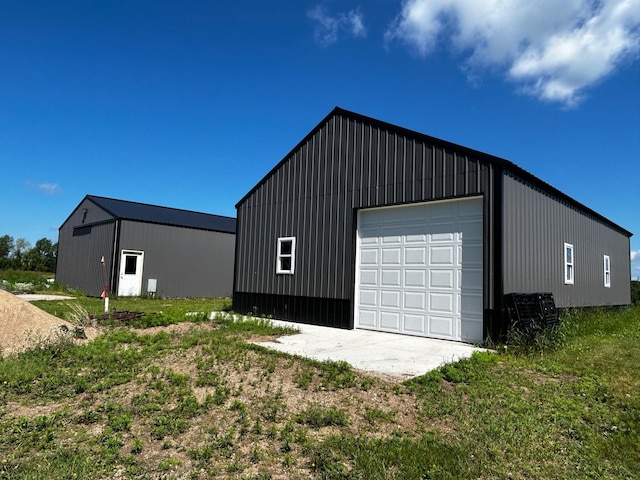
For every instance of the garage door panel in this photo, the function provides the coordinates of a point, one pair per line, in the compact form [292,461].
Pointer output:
[368,318]
[420,268]
[471,230]
[441,302]
[369,257]
[444,237]
[415,256]
[415,235]
[368,298]
[441,279]
[390,320]
[472,279]
[391,278]
[439,256]
[413,323]
[471,304]
[390,299]
[440,211]
[369,237]
[471,330]
[415,278]
[391,237]
[471,255]
[391,256]
[369,277]
[440,326]
[415,300]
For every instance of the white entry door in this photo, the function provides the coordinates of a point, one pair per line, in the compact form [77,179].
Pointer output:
[419,270]
[130,283]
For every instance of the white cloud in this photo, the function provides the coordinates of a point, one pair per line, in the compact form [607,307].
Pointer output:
[329,27]
[552,50]
[46,188]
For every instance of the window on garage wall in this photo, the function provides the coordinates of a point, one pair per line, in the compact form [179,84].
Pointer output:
[569,267]
[607,271]
[286,255]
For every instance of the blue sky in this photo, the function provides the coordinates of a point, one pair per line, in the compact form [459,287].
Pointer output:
[188,104]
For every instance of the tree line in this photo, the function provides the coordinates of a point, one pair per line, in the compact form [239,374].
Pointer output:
[20,255]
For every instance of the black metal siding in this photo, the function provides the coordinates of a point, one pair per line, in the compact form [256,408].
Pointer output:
[346,164]
[186,262]
[536,225]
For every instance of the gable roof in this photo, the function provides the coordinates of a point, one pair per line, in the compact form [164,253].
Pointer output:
[496,161]
[143,212]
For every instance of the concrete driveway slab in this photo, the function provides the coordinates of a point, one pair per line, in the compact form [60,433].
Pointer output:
[388,354]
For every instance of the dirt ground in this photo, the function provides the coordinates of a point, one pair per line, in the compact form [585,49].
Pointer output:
[23,325]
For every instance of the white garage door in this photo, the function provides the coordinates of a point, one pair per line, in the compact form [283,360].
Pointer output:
[419,270]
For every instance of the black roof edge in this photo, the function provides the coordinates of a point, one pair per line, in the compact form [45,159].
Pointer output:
[118,217]
[506,164]
[89,197]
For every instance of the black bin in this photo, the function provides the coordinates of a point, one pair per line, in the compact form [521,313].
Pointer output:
[531,310]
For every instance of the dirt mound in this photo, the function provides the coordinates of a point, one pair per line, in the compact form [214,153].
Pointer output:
[22,325]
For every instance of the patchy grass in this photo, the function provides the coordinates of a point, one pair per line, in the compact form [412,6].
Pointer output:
[33,282]
[158,312]
[197,399]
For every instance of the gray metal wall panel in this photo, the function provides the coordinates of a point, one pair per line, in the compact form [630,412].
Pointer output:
[94,214]
[346,165]
[536,226]
[78,262]
[186,262]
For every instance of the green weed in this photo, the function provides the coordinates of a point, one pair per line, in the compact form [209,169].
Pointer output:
[317,417]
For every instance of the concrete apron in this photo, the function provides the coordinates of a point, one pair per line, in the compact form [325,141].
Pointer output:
[387,354]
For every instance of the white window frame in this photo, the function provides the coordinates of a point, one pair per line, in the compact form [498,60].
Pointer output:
[569,264]
[283,256]
[606,267]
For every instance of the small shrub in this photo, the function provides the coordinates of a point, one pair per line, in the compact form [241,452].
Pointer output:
[337,374]
[201,455]
[51,346]
[367,383]
[226,442]
[79,315]
[373,415]
[303,379]
[168,425]
[537,338]
[240,407]
[136,446]
[120,422]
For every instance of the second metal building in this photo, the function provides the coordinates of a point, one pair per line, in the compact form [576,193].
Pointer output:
[147,249]
[369,225]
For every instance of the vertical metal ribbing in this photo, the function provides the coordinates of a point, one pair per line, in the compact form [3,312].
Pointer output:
[541,249]
[345,165]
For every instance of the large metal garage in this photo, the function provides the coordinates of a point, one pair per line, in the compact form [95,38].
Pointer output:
[419,270]
[364,224]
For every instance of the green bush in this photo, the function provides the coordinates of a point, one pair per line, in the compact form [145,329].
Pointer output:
[635,292]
